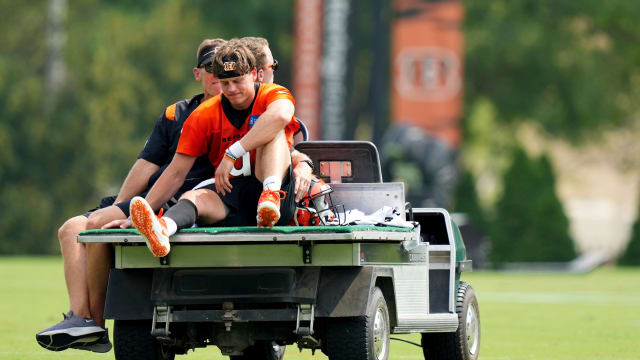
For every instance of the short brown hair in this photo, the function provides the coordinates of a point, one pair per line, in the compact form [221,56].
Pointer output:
[257,45]
[233,59]
[207,45]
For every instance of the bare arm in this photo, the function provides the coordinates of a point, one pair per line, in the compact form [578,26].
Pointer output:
[137,180]
[277,116]
[170,181]
[273,121]
[297,157]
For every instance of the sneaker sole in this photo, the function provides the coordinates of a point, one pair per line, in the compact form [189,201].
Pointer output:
[143,219]
[63,341]
[268,214]
[96,348]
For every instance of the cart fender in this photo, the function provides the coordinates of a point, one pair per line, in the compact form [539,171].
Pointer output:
[129,295]
[344,291]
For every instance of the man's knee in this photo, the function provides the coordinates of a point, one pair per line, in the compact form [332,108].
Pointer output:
[190,195]
[208,204]
[278,142]
[71,228]
[200,197]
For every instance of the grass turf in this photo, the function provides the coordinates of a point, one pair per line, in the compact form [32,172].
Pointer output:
[523,316]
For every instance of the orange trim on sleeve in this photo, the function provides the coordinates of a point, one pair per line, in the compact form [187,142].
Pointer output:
[170,112]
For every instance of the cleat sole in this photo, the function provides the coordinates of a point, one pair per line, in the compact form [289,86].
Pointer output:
[143,219]
[268,214]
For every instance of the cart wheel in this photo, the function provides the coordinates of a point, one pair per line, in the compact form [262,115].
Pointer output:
[364,337]
[263,350]
[464,344]
[132,340]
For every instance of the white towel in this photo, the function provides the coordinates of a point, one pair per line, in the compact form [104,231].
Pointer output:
[385,216]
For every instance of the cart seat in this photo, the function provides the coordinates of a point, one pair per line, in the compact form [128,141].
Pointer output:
[344,161]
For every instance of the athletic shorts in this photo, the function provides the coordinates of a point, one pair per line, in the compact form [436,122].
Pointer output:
[189,184]
[124,206]
[242,201]
[104,202]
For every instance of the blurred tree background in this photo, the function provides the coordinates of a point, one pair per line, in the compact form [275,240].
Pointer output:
[569,67]
[572,66]
[66,140]
[631,255]
[66,143]
[530,222]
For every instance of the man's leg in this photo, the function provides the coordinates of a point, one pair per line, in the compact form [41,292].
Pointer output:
[273,158]
[209,206]
[76,329]
[202,204]
[272,163]
[75,264]
[99,262]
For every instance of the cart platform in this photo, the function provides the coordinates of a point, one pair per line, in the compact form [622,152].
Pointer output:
[279,246]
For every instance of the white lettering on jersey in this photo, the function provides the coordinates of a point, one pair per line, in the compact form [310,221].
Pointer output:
[246,166]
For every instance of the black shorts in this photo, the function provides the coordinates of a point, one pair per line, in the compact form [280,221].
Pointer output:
[104,202]
[124,206]
[242,201]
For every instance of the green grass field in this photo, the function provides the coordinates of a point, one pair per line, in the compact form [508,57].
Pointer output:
[524,316]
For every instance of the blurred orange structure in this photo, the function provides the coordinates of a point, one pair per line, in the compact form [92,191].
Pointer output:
[307,63]
[427,67]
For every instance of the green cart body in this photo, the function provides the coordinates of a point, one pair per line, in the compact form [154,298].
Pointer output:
[341,289]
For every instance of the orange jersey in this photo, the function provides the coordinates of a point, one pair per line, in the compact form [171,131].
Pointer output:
[209,130]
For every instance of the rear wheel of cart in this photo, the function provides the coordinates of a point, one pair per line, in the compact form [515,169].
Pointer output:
[263,350]
[463,344]
[132,340]
[363,337]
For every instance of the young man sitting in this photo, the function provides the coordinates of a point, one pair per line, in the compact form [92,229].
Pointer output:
[247,133]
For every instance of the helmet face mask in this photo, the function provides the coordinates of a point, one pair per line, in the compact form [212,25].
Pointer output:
[316,208]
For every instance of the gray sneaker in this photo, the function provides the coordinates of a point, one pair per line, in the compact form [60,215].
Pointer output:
[71,331]
[102,346]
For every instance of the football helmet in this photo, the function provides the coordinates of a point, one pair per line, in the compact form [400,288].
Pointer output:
[316,207]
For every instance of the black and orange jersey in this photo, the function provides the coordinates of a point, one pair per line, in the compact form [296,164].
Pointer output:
[163,142]
[215,126]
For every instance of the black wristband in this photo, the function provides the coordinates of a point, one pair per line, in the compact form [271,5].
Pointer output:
[310,163]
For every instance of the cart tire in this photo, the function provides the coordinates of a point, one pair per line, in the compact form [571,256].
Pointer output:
[263,350]
[132,340]
[464,344]
[363,337]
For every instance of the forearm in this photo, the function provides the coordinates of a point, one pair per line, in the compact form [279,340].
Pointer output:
[170,181]
[163,190]
[297,157]
[262,133]
[268,125]
[137,180]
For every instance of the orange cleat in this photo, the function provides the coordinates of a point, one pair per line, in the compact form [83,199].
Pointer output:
[269,207]
[152,228]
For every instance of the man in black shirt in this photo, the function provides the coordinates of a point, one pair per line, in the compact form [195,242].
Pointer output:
[83,326]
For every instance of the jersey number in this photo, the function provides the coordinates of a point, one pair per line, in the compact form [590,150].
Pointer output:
[245,170]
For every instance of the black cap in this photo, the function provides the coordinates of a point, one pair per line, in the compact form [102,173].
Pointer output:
[206,55]
[229,68]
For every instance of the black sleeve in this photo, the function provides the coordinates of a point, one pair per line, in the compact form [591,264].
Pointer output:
[156,149]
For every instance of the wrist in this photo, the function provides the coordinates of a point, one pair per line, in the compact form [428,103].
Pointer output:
[308,162]
[235,151]
[227,157]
